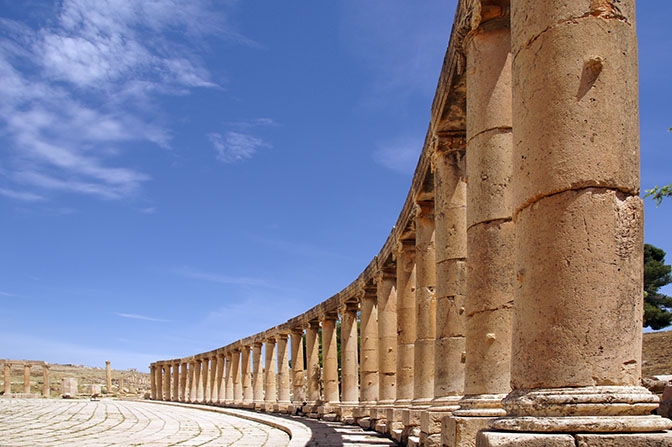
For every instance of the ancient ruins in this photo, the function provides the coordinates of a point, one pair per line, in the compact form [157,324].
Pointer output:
[505,308]
[27,365]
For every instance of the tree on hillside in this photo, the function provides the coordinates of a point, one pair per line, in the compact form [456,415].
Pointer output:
[657,306]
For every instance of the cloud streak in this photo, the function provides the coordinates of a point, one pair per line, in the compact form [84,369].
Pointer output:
[240,143]
[77,90]
[141,317]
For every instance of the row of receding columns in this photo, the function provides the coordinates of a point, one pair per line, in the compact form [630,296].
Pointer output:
[26,377]
[510,311]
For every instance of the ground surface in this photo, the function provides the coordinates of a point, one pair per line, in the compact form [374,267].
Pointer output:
[657,353]
[42,422]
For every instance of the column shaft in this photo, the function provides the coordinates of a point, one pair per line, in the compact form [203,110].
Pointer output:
[387,335]
[349,360]
[193,382]
[166,382]
[237,378]
[270,391]
[229,378]
[183,383]
[425,305]
[313,360]
[176,382]
[198,378]
[214,389]
[248,395]
[205,371]
[220,381]
[368,366]
[406,279]
[330,359]
[45,378]
[298,368]
[152,381]
[257,377]
[26,379]
[283,371]
[450,217]
[159,382]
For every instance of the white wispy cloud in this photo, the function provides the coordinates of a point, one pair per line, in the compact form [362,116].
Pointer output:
[399,155]
[223,279]
[240,142]
[140,317]
[77,89]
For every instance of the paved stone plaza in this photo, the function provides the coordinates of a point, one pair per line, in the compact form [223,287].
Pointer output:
[42,422]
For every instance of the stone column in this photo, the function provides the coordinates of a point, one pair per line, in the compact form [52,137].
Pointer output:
[229,378]
[257,377]
[108,377]
[205,371]
[349,362]
[237,378]
[313,372]
[330,367]
[298,369]
[283,373]
[368,365]
[166,381]
[8,378]
[400,416]
[45,378]
[214,389]
[578,251]
[26,378]
[159,382]
[450,218]
[387,344]
[220,380]
[245,372]
[152,381]
[183,383]
[176,382]
[270,391]
[489,302]
[198,378]
[193,382]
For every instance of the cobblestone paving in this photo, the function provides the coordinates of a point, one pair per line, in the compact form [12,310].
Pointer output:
[43,422]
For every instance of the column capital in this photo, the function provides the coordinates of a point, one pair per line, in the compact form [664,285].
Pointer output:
[331,315]
[448,141]
[314,324]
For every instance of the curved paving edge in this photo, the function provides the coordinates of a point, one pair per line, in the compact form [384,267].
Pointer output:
[299,433]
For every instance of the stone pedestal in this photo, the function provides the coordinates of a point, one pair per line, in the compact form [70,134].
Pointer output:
[69,386]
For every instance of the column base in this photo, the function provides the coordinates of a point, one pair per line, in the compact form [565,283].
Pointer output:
[431,419]
[411,418]
[329,412]
[596,409]
[311,410]
[347,412]
[475,412]
[362,416]
[508,439]
[281,407]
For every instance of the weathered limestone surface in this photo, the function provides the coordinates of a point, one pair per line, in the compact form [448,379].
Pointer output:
[488,316]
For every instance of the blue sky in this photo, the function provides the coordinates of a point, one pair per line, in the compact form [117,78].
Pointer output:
[178,175]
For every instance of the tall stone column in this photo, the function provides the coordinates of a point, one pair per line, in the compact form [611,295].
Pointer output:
[257,377]
[176,382]
[283,373]
[399,416]
[349,362]
[330,367]
[578,251]
[205,371]
[386,286]
[298,369]
[183,383]
[198,378]
[8,378]
[270,390]
[220,381]
[108,377]
[193,382]
[245,371]
[214,389]
[159,382]
[152,381]
[166,381]
[229,378]
[237,378]
[313,360]
[489,302]
[368,365]
[45,383]
[26,378]
[450,218]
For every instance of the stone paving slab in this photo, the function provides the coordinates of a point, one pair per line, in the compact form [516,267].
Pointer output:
[51,422]
[48,422]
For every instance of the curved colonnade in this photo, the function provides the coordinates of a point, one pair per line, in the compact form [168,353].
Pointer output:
[489,315]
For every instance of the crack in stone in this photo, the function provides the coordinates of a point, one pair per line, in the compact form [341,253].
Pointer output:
[498,130]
